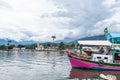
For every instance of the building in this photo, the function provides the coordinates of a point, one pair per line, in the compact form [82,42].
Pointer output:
[39,47]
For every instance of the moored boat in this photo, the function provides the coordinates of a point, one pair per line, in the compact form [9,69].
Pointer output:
[102,55]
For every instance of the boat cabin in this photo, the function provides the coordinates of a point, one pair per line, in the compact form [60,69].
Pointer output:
[105,58]
[97,54]
[114,38]
[99,50]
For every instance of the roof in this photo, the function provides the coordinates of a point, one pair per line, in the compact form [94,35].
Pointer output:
[113,37]
[95,42]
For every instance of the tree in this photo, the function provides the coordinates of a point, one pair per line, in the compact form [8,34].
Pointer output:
[32,46]
[20,46]
[3,47]
[9,41]
[53,38]
[11,46]
[48,44]
[72,46]
[61,46]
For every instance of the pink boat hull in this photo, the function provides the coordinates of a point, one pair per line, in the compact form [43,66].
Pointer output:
[82,63]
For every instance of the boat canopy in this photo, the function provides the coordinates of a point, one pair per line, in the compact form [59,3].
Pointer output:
[95,42]
[113,37]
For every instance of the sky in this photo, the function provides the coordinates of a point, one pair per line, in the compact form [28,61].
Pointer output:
[38,20]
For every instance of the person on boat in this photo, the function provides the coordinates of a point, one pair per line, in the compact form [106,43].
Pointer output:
[101,50]
[109,51]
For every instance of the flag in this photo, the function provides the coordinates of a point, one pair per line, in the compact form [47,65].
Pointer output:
[105,31]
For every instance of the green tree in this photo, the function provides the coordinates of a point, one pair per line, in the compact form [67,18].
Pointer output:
[72,46]
[9,41]
[61,46]
[3,47]
[53,39]
[48,44]
[20,46]
[31,46]
[11,46]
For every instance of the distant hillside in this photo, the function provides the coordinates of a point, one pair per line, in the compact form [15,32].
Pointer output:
[4,42]
[66,40]
[98,37]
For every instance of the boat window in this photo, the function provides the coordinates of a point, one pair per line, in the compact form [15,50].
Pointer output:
[105,57]
[118,54]
[99,57]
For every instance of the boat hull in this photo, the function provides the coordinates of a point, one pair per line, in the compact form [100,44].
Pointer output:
[78,62]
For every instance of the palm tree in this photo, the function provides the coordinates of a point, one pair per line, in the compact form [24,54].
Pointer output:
[8,44]
[53,38]
[9,41]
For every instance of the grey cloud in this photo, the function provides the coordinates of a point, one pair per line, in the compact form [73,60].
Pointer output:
[85,14]
[69,19]
[4,4]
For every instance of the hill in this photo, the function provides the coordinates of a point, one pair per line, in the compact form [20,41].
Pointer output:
[98,37]
[66,40]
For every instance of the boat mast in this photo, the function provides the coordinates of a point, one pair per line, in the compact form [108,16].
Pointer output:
[80,49]
[113,53]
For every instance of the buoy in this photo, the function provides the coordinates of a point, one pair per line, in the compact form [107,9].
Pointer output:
[101,62]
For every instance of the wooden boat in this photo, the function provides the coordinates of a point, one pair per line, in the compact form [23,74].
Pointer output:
[102,60]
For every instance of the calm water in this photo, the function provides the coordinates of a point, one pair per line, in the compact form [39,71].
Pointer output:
[35,65]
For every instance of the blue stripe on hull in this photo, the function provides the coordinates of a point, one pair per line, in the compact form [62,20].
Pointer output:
[95,68]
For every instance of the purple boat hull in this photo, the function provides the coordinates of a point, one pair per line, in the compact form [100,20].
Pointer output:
[79,62]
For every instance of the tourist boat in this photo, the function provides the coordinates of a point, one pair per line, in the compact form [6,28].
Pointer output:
[100,55]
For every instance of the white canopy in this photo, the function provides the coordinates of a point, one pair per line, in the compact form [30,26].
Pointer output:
[95,42]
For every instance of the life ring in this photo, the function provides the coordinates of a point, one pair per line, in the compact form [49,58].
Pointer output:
[101,62]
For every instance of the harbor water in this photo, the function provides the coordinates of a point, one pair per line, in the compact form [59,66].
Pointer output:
[43,65]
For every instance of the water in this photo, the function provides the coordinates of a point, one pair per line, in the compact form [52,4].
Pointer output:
[38,65]
[33,65]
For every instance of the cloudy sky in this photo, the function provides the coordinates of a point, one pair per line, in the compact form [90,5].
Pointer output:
[38,20]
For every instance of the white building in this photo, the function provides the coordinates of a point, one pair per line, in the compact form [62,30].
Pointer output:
[39,47]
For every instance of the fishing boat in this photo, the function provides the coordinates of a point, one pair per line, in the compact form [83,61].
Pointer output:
[97,54]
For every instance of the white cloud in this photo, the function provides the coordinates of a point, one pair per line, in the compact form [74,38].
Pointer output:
[38,20]
[91,17]
[30,20]
[113,21]
[109,3]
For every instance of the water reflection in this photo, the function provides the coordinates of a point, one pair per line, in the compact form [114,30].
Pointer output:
[42,65]
[81,74]
[33,65]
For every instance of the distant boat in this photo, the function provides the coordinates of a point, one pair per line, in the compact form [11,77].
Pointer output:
[100,54]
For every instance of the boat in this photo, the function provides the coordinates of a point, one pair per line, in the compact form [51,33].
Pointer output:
[102,55]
